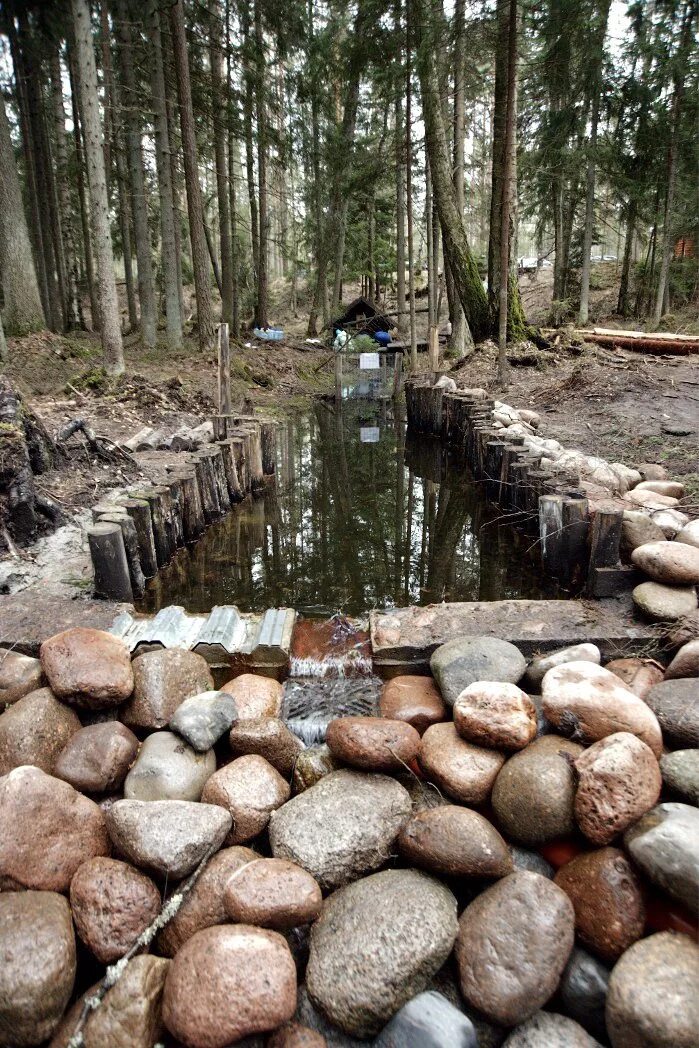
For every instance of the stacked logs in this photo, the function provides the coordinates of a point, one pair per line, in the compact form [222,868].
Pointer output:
[511,475]
[137,533]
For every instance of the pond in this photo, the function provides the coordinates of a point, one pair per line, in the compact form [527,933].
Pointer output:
[358,517]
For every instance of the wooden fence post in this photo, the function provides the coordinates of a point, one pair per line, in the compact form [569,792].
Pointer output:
[224,371]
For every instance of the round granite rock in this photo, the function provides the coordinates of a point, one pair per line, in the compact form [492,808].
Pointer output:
[19,674]
[372,743]
[227,983]
[202,719]
[37,965]
[549,1030]
[464,771]
[294,1035]
[313,764]
[272,893]
[499,716]
[676,705]
[413,699]
[466,660]
[34,730]
[88,668]
[665,845]
[663,603]
[652,998]
[582,991]
[640,675]
[606,896]
[534,794]
[618,781]
[342,827]
[680,772]
[673,563]
[455,842]
[112,905]
[377,943]
[270,738]
[168,769]
[685,662]
[514,942]
[539,666]
[430,1021]
[250,789]
[255,696]
[97,758]
[163,679]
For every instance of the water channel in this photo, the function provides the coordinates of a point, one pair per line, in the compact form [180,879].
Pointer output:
[358,517]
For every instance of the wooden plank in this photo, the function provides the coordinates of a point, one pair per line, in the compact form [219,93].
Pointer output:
[224,372]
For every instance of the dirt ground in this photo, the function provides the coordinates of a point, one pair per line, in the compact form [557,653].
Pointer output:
[614,403]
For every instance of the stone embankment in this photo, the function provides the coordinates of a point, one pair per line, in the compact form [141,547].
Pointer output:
[508,855]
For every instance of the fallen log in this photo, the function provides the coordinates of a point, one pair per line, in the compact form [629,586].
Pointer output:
[642,341]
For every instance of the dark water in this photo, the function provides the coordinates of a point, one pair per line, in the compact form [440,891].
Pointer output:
[356,519]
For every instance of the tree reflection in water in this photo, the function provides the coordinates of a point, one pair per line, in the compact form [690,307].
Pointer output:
[357,518]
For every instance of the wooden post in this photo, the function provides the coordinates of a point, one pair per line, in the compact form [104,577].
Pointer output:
[213,453]
[606,538]
[224,371]
[139,511]
[160,535]
[552,534]
[338,376]
[131,548]
[111,569]
[397,372]
[576,525]
[192,512]
[208,486]
[235,492]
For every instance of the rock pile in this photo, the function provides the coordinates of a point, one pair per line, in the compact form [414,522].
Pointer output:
[508,855]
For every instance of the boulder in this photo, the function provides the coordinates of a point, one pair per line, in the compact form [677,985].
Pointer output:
[202,719]
[37,965]
[228,982]
[272,893]
[130,1013]
[255,696]
[88,668]
[685,662]
[680,772]
[514,942]
[167,837]
[464,771]
[312,765]
[549,1030]
[606,896]
[430,1021]
[270,738]
[294,1035]
[689,534]
[670,521]
[342,827]
[203,907]
[588,702]
[112,905]
[674,563]
[168,769]
[665,603]
[163,679]
[665,845]
[652,998]
[640,675]
[525,859]
[461,662]
[250,789]
[454,842]
[618,781]
[378,942]
[637,529]
[582,991]
[372,743]
[499,716]
[652,471]
[34,730]
[650,500]
[47,830]
[97,758]
[534,794]
[672,488]
[676,705]
[413,699]
[539,666]
[19,674]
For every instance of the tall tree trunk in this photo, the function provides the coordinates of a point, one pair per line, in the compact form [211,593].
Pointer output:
[173,315]
[205,314]
[400,171]
[623,301]
[460,342]
[23,308]
[248,111]
[232,180]
[458,254]
[71,311]
[217,116]
[132,107]
[507,187]
[174,151]
[87,74]
[409,183]
[3,343]
[262,136]
[76,110]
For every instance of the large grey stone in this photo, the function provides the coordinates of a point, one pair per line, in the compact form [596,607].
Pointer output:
[665,844]
[676,705]
[652,1000]
[168,769]
[461,662]
[583,991]
[204,718]
[163,679]
[168,837]
[342,827]
[549,1030]
[665,603]
[539,666]
[37,965]
[377,943]
[680,771]
[428,1021]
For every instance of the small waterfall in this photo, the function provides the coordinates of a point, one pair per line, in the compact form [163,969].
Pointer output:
[336,647]
[310,703]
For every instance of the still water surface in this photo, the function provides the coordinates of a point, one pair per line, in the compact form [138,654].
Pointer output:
[357,518]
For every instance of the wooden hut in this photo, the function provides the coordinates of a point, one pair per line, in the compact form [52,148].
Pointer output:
[363,315]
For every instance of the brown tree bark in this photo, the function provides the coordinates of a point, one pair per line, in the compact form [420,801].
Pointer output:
[219,129]
[262,144]
[507,188]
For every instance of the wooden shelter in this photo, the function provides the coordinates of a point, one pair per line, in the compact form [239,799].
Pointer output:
[363,315]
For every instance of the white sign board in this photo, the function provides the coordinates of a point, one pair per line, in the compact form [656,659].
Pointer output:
[369,362]
[369,434]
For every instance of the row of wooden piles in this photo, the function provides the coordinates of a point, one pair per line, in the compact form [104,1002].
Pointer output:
[137,533]
[578,540]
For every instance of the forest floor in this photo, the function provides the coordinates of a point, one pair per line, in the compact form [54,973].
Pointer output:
[613,403]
